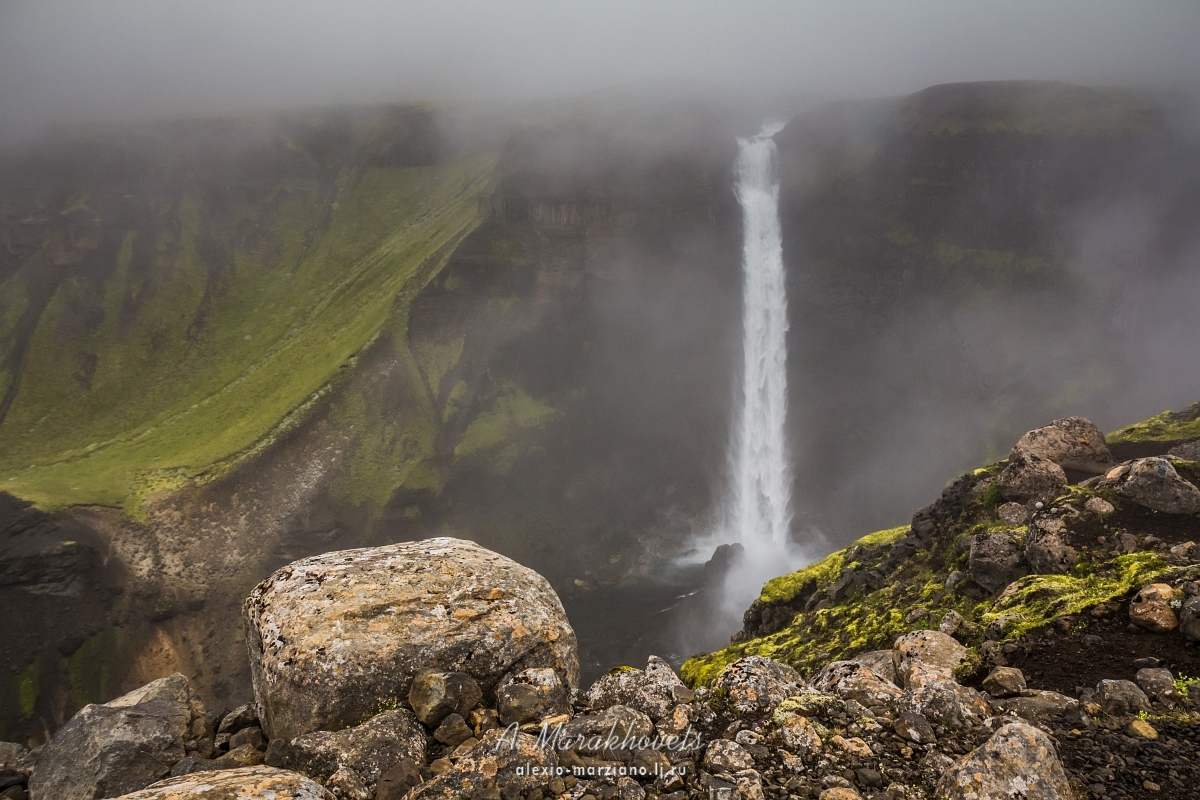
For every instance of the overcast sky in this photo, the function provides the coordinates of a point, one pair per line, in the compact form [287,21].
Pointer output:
[62,59]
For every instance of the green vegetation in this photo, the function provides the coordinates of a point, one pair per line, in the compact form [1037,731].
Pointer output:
[513,409]
[1166,427]
[29,689]
[170,402]
[784,588]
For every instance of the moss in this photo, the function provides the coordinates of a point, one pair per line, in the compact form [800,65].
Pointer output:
[1165,427]
[170,403]
[511,411]
[784,588]
[1035,600]
[865,621]
[621,669]
[29,689]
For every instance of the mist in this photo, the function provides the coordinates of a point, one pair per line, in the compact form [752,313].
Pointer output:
[76,61]
[565,387]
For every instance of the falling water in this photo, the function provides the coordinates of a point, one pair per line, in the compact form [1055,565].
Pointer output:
[758,508]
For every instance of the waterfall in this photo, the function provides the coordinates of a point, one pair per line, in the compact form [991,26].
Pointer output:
[757,510]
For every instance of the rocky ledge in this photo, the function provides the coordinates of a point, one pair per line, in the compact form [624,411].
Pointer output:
[1066,619]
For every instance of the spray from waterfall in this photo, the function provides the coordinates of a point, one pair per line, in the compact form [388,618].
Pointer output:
[757,510]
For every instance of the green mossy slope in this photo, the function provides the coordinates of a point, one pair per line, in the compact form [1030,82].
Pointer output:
[210,370]
[907,589]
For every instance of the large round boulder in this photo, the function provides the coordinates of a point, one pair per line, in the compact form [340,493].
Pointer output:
[334,638]
[1154,483]
[1072,443]
[246,783]
[1018,761]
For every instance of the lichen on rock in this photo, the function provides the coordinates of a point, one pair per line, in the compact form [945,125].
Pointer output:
[333,637]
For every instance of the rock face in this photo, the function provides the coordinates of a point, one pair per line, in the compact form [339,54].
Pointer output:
[1154,483]
[122,746]
[996,560]
[247,783]
[1018,761]
[1071,443]
[334,636]
[361,755]
[1028,478]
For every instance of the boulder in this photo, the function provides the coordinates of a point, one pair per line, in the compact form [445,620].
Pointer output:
[881,662]
[121,746]
[1072,443]
[532,694]
[799,735]
[244,716]
[1004,682]
[754,684]
[933,693]
[12,756]
[723,755]
[996,560]
[362,754]
[499,765]
[1027,478]
[1188,451]
[435,694]
[914,728]
[1018,760]
[1035,705]
[654,691]
[247,783]
[333,637]
[1157,683]
[1046,551]
[1189,619]
[932,647]
[1119,698]
[853,681]
[1151,609]
[1013,515]
[1154,483]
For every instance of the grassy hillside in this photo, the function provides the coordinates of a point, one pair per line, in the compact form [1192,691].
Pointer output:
[186,336]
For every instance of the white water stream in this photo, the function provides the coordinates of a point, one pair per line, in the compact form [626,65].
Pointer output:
[757,510]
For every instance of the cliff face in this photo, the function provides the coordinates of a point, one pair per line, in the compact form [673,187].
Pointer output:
[969,261]
[231,344]
[341,340]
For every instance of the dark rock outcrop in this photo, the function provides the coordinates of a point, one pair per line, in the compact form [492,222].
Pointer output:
[121,746]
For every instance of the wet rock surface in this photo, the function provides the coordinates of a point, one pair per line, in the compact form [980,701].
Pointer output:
[368,620]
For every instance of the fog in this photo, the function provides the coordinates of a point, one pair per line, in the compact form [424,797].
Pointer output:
[86,60]
[889,396]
